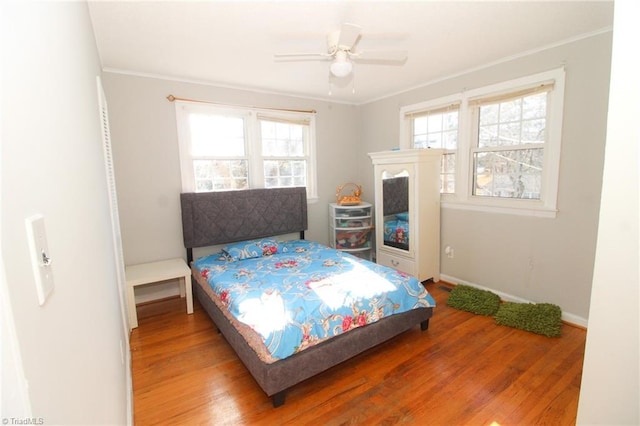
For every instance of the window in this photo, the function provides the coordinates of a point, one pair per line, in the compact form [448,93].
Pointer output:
[501,144]
[508,148]
[218,152]
[283,149]
[224,148]
[438,128]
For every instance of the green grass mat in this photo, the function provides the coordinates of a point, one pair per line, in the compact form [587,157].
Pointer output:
[471,299]
[541,318]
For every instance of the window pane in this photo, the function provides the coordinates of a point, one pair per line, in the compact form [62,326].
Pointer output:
[435,123]
[450,121]
[204,185]
[447,184]
[268,129]
[489,114]
[508,174]
[216,135]
[488,136]
[533,131]
[420,125]
[216,175]
[447,174]
[439,130]
[449,163]
[284,173]
[450,140]
[203,169]
[435,140]
[297,148]
[510,110]
[420,141]
[513,122]
[283,139]
[509,134]
[296,132]
[534,106]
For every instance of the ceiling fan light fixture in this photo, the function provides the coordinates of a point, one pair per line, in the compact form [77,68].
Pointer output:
[341,66]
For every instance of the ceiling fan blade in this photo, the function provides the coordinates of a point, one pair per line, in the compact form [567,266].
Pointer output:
[301,56]
[381,55]
[348,36]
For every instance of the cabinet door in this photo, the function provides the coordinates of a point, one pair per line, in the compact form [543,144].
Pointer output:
[396,206]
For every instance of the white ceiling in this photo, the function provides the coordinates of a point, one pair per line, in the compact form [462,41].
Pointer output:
[232,43]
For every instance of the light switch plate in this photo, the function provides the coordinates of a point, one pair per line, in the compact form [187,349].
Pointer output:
[40,256]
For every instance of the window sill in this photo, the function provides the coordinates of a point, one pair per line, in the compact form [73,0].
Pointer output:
[519,211]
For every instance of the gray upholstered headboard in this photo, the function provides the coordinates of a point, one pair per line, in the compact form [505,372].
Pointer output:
[212,218]
[395,195]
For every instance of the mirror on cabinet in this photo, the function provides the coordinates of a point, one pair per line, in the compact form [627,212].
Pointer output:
[395,204]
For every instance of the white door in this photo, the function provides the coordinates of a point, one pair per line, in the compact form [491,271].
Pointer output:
[117,240]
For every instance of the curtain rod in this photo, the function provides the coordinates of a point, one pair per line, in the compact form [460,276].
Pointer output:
[172,98]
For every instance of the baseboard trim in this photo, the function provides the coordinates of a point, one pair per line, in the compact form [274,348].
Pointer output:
[568,318]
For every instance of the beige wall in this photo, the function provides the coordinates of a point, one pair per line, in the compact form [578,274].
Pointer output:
[525,258]
[143,129]
[67,353]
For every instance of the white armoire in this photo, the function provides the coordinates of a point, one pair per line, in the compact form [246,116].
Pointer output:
[407,202]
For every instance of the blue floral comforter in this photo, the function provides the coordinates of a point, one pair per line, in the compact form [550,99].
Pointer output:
[295,294]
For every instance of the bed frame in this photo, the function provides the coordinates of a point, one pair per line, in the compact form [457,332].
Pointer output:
[215,218]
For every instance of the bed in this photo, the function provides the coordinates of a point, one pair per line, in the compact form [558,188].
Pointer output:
[395,205]
[236,217]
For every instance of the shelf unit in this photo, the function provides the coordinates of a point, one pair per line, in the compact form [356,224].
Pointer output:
[351,228]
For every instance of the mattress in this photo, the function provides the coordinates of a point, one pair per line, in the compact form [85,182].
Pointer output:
[284,297]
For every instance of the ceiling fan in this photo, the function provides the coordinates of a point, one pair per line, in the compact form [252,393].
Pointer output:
[341,52]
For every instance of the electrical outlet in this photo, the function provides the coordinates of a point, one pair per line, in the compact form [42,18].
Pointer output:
[448,250]
[40,256]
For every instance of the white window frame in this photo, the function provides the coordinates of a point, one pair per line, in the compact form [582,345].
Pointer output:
[406,129]
[253,149]
[546,206]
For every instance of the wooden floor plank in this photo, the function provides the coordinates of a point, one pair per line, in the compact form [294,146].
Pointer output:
[464,370]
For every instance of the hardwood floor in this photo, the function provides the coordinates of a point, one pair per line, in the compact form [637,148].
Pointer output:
[465,370]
